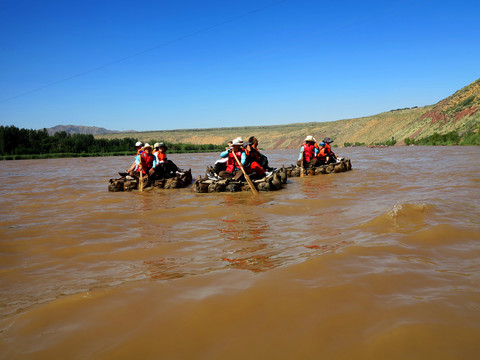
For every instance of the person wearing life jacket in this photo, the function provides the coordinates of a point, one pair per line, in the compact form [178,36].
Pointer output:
[261,159]
[136,163]
[156,149]
[147,161]
[233,170]
[308,153]
[322,158]
[164,168]
[221,164]
[329,154]
[253,158]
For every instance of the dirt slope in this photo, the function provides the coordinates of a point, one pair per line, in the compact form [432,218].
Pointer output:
[460,112]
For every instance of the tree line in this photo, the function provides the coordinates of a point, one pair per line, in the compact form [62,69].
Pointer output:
[16,143]
[450,138]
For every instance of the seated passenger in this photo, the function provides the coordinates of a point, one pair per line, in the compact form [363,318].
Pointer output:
[322,159]
[253,156]
[233,170]
[221,164]
[262,159]
[136,162]
[164,168]
[330,155]
[308,153]
[147,161]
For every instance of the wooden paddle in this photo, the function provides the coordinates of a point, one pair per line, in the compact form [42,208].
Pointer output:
[250,183]
[140,186]
[301,167]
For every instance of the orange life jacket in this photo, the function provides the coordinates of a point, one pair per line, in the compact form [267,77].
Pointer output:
[328,149]
[321,155]
[161,156]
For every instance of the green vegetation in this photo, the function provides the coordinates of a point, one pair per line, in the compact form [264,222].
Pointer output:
[471,138]
[450,138]
[17,144]
[390,142]
[180,148]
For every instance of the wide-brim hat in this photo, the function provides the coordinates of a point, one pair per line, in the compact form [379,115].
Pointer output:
[160,145]
[156,145]
[147,145]
[327,140]
[238,141]
[309,138]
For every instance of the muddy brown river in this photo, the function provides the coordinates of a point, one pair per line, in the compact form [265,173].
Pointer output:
[381,262]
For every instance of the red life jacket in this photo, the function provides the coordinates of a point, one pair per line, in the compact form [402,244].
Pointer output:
[308,152]
[252,156]
[147,161]
[232,163]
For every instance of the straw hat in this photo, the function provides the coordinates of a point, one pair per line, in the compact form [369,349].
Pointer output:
[147,145]
[238,141]
[310,138]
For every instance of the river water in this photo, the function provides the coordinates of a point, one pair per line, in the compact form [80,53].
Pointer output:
[381,262]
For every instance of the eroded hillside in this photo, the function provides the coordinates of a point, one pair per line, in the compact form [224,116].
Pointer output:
[460,112]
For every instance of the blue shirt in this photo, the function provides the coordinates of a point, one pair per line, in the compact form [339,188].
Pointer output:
[242,160]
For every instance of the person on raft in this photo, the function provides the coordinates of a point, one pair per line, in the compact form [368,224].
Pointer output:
[221,164]
[147,161]
[136,162]
[164,168]
[233,170]
[254,155]
[309,151]
[330,156]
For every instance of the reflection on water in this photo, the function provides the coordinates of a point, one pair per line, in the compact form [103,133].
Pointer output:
[349,261]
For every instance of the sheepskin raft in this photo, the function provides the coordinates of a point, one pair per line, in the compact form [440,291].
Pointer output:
[341,166]
[213,183]
[127,183]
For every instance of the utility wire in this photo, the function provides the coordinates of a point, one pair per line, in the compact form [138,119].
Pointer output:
[165,44]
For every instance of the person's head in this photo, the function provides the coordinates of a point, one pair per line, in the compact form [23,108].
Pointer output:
[309,139]
[322,144]
[252,141]
[147,148]
[237,143]
[162,147]
[327,140]
[156,146]
[138,145]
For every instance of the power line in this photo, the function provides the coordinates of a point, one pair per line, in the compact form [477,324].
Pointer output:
[165,44]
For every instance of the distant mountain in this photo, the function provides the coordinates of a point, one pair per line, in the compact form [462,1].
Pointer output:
[74,129]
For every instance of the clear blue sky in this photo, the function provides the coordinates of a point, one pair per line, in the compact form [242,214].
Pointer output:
[159,65]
